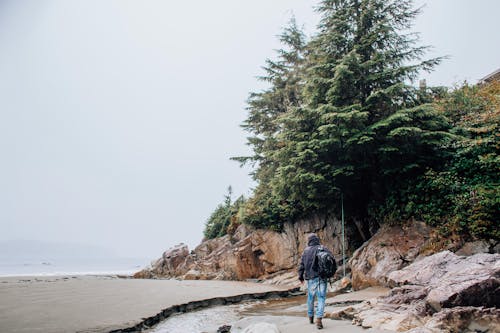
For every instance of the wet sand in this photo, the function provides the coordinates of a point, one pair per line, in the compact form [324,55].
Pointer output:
[99,303]
[289,315]
[293,324]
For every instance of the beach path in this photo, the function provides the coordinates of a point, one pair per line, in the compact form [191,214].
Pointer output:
[99,303]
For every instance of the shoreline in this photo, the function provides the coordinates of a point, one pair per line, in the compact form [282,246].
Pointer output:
[100,303]
[124,274]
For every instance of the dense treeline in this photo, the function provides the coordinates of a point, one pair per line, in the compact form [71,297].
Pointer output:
[463,196]
[341,117]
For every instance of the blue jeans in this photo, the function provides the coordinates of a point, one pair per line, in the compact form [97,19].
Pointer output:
[316,287]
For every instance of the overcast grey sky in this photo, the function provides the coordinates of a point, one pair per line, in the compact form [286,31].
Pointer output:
[118,117]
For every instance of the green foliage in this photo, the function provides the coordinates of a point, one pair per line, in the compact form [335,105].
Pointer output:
[353,125]
[464,196]
[340,116]
[225,217]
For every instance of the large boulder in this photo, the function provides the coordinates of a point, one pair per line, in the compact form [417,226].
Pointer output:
[429,270]
[454,280]
[173,258]
[403,309]
[390,249]
[416,317]
[170,262]
[478,246]
[465,319]
[440,293]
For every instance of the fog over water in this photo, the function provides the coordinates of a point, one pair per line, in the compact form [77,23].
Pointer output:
[118,118]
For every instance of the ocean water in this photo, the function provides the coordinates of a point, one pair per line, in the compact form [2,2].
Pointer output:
[70,266]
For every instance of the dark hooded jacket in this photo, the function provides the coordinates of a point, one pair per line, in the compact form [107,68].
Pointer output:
[308,268]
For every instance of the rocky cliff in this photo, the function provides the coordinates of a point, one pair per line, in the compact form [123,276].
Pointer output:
[274,256]
[257,254]
[432,291]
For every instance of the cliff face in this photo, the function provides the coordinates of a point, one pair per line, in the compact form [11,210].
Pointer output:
[256,254]
[274,256]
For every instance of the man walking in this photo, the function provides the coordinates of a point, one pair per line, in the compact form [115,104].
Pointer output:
[316,285]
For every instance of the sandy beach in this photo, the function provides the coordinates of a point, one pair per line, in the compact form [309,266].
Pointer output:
[99,303]
[103,303]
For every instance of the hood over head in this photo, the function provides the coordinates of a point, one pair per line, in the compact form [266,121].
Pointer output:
[312,239]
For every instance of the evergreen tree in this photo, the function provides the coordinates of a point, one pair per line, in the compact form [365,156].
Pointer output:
[225,217]
[340,116]
[285,77]
[360,129]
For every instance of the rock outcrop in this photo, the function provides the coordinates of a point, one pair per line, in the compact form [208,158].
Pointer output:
[479,246]
[462,319]
[274,256]
[454,280]
[440,293]
[390,249]
[255,254]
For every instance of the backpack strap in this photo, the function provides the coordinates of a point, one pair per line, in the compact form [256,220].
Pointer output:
[315,260]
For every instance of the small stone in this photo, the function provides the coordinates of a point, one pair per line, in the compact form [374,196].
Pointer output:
[472,248]
[224,329]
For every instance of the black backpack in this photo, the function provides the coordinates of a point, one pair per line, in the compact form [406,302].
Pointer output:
[326,263]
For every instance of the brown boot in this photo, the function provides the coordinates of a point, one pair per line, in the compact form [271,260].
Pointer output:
[311,320]
[319,323]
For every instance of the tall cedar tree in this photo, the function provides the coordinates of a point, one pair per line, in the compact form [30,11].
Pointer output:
[285,77]
[354,125]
